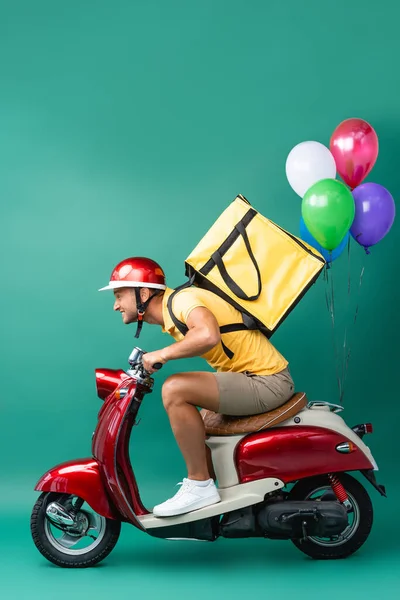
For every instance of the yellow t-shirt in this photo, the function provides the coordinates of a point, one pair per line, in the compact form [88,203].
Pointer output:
[253,352]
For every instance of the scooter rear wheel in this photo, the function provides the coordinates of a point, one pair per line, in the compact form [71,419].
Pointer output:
[82,545]
[360,517]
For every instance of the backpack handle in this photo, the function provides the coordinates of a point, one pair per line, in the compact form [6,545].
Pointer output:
[232,285]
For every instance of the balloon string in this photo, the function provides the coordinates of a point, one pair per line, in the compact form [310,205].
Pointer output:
[347,359]
[359,288]
[345,362]
[330,301]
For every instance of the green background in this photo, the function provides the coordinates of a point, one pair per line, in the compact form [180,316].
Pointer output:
[126,128]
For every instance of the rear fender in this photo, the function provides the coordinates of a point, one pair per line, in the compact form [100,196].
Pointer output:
[370,476]
[81,478]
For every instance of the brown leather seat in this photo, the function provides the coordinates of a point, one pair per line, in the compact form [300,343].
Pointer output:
[217,424]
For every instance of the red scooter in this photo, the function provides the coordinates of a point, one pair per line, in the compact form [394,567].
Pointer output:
[281,475]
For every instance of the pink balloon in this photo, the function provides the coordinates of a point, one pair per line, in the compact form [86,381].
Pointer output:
[354,145]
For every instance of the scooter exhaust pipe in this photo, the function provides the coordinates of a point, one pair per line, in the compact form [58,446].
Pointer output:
[58,515]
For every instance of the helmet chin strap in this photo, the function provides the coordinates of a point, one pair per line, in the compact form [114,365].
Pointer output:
[141,308]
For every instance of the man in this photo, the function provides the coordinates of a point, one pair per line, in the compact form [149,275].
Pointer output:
[255,380]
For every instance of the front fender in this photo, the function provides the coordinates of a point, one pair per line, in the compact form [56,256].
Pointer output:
[81,478]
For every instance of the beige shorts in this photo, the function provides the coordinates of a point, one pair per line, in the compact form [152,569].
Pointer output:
[248,394]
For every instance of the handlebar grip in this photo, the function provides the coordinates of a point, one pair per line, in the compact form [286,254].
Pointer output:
[157,366]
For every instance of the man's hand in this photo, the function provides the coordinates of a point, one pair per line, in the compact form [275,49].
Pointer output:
[151,358]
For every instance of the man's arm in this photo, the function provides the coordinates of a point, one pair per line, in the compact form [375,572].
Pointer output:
[202,336]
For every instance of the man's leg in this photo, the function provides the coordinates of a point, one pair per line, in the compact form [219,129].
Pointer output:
[229,393]
[181,394]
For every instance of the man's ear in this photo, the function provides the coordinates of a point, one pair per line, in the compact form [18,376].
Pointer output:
[144,294]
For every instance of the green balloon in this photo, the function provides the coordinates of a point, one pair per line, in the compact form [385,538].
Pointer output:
[328,211]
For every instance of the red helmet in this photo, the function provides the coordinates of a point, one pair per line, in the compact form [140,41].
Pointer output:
[137,272]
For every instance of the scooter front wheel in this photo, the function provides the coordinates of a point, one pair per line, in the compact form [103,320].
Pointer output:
[360,516]
[69,535]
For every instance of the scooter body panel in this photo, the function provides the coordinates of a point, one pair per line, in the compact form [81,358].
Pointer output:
[110,446]
[107,380]
[320,415]
[293,453]
[81,478]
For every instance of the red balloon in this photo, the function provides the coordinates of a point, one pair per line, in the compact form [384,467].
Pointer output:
[354,145]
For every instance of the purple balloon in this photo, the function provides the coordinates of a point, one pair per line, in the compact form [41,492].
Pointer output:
[375,212]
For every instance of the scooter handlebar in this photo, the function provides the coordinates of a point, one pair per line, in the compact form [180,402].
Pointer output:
[136,362]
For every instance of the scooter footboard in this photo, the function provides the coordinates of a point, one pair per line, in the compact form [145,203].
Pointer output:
[81,478]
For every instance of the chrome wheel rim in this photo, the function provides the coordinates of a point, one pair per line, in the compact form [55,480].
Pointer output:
[71,541]
[353,519]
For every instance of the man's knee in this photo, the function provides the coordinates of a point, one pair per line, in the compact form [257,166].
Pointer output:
[172,391]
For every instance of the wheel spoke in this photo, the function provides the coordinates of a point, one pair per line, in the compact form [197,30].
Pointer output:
[95,522]
[327,496]
[68,540]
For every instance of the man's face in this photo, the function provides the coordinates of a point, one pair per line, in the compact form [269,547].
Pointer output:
[125,303]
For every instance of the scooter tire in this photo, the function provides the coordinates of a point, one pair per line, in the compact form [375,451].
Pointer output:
[59,558]
[304,488]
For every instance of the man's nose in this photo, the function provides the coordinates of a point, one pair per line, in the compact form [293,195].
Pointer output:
[116,305]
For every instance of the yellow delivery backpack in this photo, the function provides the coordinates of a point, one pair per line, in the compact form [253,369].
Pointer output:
[255,265]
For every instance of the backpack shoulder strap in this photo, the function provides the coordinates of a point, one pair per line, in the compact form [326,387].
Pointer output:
[180,325]
[248,322]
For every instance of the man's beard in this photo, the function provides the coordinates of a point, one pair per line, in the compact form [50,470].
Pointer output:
[131,318]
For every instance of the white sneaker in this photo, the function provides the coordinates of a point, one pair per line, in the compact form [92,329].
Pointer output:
[191,496]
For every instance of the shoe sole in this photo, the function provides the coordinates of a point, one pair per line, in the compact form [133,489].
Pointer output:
[200,504]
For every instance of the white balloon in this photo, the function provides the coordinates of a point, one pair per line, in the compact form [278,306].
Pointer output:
[307,163]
